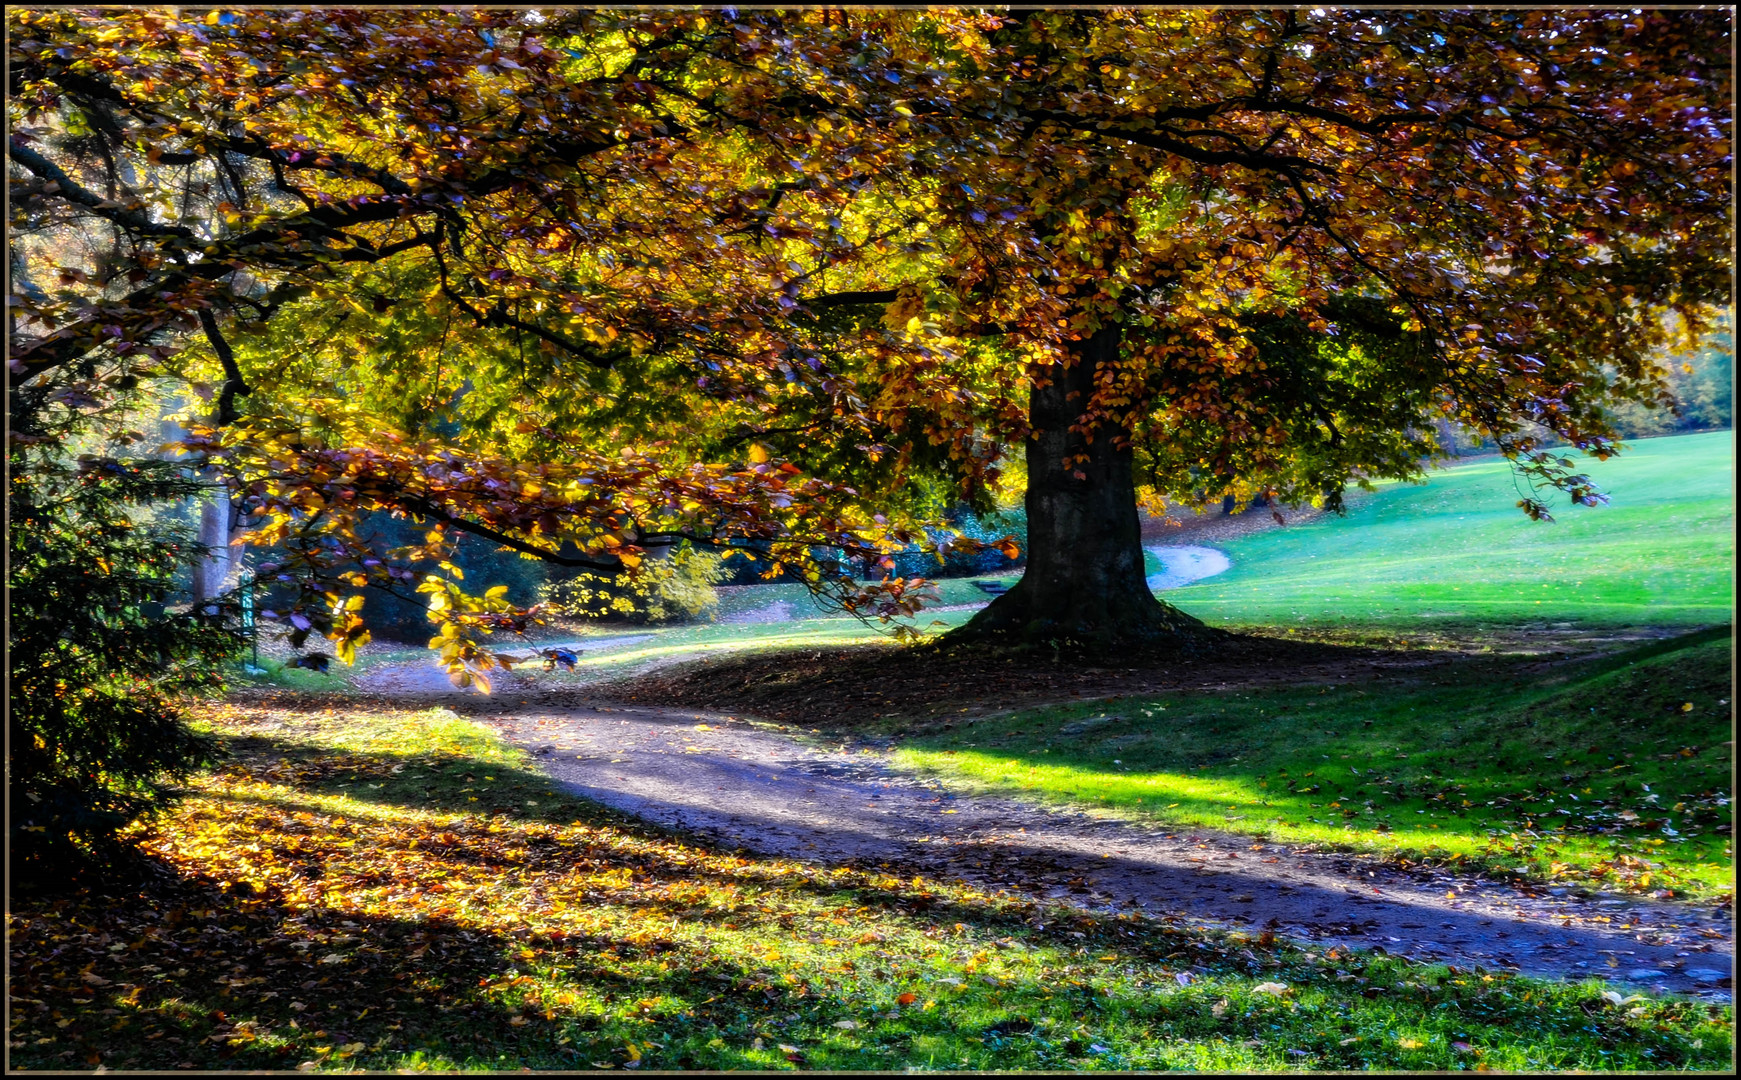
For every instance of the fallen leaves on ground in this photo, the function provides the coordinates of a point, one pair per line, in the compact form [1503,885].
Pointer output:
[331,899]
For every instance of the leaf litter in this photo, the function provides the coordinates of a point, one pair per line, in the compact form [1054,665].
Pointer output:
[332,898]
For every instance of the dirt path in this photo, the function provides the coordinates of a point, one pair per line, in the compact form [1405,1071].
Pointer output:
[1181,565]
[430,680]
[753,787]
[758,787]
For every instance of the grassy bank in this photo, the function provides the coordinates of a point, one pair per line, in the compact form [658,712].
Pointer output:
[1612,771]
[784,616]
[1457,550]
[401,891]
[1454,555]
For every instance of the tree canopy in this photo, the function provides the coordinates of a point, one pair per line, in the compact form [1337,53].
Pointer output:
[592,283]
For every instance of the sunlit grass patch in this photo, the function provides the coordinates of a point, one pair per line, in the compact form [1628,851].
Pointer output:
[679,644]
[398,890]
[659,646]
[1457,551]
[1612,771]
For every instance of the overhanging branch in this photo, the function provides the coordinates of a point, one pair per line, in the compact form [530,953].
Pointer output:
[425,508]
[234,384]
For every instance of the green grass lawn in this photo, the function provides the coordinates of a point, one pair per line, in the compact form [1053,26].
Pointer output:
[1457,550]
[1613,771]
[1452,553]
[395,890]
[663,644]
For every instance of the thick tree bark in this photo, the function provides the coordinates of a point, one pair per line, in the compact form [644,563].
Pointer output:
[1084,580]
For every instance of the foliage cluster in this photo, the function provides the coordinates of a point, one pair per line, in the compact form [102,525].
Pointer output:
[97,656]
[400,614]
[398,891]
[676,588]
[1700,380]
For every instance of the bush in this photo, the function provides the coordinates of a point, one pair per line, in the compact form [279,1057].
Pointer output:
[393,618]
[988,528]
[676,588]
[96,659]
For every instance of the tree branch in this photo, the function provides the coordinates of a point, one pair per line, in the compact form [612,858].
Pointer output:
[856,296]
[425,508]
[73,191]
[233,381]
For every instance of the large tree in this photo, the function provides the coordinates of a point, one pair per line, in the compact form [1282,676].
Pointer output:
[587,284]
[1286,241]
[544,291]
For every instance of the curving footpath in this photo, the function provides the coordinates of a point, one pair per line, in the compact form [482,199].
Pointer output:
[746,785]
[753,786]
[1181,565]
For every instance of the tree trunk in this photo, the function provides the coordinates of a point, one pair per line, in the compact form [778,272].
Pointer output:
[214,571]
[1084,580]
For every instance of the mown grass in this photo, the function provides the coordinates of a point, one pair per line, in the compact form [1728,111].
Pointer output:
[1611,770]
[401,891]
[808,627]
[1453,555]
[1457,551]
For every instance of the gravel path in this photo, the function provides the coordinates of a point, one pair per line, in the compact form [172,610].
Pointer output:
[755,787]
[1181,565]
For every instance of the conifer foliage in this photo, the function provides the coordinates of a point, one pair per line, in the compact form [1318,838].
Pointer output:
[97,657]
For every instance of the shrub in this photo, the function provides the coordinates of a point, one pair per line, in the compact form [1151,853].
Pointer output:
[676,588]
[97,659]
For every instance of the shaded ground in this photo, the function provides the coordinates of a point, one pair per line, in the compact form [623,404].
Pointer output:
[678,748]
[848,688]
[748,785]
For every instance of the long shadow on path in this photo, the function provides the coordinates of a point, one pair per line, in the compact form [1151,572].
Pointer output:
[743,786]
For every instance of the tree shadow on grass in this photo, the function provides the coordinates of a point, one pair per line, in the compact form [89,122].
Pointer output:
[193,971]
[196,970]
[186,973]
[205,968]
[1495,751]
[1237,894]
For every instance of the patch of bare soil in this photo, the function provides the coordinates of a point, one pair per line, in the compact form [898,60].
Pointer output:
[847,688]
